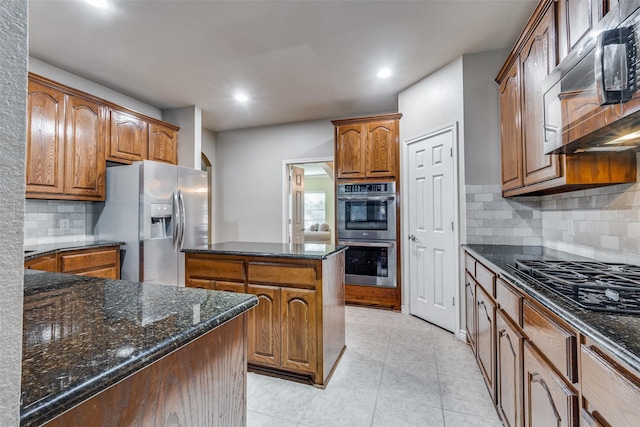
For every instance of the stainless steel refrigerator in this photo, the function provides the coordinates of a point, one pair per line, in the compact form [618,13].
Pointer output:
[156,209]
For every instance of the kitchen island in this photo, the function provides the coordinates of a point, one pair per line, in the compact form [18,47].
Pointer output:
[298,328]
[110,352]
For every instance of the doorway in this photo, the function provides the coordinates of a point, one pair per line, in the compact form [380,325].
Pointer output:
[308,209]
[432,205]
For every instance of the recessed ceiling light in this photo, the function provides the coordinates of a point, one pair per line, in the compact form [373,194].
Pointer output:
[241,97]
[100,4]
[384,73]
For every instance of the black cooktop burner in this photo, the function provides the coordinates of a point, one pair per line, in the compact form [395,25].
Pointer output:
[592,285]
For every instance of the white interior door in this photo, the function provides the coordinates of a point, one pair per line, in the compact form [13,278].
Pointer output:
[431,204]
[297,205]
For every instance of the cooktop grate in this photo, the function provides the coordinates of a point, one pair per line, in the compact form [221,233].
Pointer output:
[599,286]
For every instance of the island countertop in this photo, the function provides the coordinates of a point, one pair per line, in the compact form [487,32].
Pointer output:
[81,334]
[280,250]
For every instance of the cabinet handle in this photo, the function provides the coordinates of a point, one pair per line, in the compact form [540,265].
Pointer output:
[503,332]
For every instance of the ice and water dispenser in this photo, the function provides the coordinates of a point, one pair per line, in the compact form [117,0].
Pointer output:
[161,217]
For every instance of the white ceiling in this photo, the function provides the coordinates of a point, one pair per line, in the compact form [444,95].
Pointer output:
[297,60]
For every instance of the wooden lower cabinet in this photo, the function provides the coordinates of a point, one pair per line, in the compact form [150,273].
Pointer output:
[265,326]
[470,313]
[548,399]
[299,325]
[101,262]
[297,328]
[509,342]
[486,342]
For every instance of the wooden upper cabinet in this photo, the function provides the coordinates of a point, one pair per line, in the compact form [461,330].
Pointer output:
[381,149]
[538,58]
[511,129]
[367,147]
[350,151]
[163,143]
[45,139]
[129,137]
[85,165]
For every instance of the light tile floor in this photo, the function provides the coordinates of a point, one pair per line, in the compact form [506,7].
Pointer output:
[397,371]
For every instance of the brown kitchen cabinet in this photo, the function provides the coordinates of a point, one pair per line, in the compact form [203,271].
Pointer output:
[548,399]
[367,147]
[163,143]
[470,313]
[65,144]
[128,137]
[486,338]
[509,342]
[101,262]
[525,168]
[599,371]
[297,328]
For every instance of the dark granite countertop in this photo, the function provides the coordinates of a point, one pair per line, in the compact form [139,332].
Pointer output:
[618,333]
[82,334]
[280,250]
[34,251]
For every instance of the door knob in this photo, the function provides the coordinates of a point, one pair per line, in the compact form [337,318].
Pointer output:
[412,237]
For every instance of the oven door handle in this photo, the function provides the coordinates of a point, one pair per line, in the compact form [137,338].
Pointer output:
[368,244]
[360,198]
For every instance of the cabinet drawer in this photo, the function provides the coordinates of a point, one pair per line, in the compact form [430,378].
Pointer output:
[486,278]
[553,340]
[470,264]
[612,396]
[215,269]
[104,273]
[509,300]
[282,274]
[87,260]
[43,263]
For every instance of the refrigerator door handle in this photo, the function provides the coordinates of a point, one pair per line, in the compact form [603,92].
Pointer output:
[176,221]
[183,215]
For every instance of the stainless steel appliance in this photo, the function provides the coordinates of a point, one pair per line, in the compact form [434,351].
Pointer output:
[595,286]
[370,263]
[367,211]
[367,224]
[156,209]
[591,100]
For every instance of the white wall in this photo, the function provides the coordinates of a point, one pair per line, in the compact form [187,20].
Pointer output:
[209,150]
[13,93]
[249,176]
[61,76]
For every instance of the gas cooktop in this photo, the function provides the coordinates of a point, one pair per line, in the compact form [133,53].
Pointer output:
[591,285]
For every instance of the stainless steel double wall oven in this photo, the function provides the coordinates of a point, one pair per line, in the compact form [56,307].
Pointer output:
[367,224]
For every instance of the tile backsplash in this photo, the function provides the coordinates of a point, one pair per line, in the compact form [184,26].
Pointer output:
[601,223]
[494,220]
[42,222]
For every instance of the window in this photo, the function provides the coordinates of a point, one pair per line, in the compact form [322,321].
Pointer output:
[314,208]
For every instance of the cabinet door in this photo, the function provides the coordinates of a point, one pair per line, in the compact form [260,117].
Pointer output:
[509,371]
[548,400]
[538,58]
[381,147]
[45,139]
[485,341]
[228,286]
[511,129]
[299,340]
[129,137]
[163,144]
[85,165]
[350,151]
[470,314]
[265,326]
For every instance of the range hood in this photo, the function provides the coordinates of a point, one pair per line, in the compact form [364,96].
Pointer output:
[592,98]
